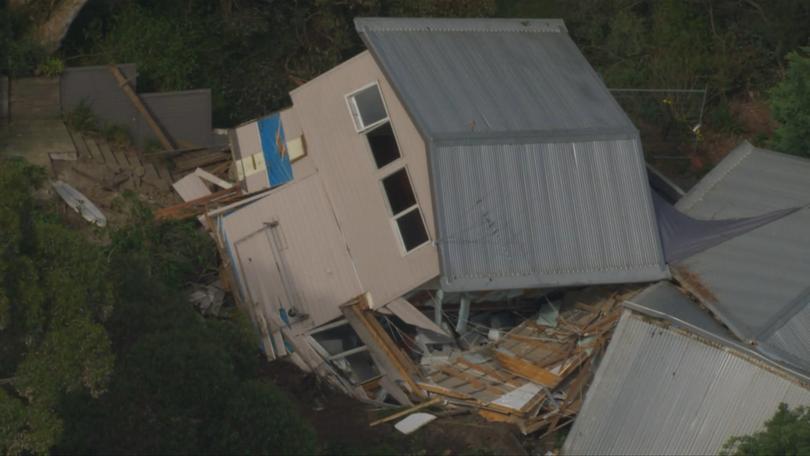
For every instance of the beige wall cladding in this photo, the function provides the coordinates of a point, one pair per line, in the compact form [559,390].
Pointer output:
[292,254]
[344,161]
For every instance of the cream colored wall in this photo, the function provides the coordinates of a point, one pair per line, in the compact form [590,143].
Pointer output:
[345,164]
[306,245]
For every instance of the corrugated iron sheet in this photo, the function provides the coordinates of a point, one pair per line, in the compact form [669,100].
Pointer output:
[663,391]
[544,215]
[757,283]
[538,176]
[484,76]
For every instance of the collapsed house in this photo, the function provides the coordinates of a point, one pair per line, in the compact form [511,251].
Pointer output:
[418,204]
[459,213]
[694,364]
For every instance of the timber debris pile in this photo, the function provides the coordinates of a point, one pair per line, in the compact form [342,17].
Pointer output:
[535,375]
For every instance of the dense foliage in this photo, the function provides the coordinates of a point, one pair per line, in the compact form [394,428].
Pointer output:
[252,52]
[786,433]
[100,352]
[790,103]
[20,54]
[54,301]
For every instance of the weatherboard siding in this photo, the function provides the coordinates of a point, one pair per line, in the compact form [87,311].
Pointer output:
[344,162]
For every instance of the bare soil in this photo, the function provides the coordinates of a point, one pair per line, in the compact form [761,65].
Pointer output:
[342,424]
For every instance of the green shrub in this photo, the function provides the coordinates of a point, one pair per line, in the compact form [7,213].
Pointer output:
[790,103]
[116,134]
[50,67]
[82,119]
[24,57]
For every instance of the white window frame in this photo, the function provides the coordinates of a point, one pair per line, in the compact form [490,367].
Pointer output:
[354,111]
[393,218]
[334,359]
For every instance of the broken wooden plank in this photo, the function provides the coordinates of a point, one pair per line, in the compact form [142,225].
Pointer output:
[489,371]
[394,381]
[120,157]
[92,147]
[423,405]
[527,370]
[199,205]
[164,139]
[106,152]
[436,389]
[78,143]
[359,309]
[477,382]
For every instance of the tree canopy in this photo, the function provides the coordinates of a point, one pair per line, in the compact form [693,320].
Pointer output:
[790,103]
[54,301]
[101,353]
[786,433]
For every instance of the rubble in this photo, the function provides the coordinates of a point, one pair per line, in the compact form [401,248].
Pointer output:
[534,375]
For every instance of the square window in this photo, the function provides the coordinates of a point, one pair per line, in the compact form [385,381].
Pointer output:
[412,229]
[383,145]
[367,107]
[338,339]
[399,191]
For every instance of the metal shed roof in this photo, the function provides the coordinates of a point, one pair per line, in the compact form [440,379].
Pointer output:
[538,175]
[661,390]
[758,283]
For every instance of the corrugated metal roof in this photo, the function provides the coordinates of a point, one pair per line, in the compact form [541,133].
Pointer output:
[538,176]
[662,390]
[757,283]
[558,214]
[483,76]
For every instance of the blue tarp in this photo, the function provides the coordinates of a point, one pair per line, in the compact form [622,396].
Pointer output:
[271,133]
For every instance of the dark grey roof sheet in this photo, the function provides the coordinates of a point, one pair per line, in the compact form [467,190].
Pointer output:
[665,300]
[758,283]
[538,175]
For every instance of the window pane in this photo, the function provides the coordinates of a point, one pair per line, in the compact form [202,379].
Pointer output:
[383,145]
[338,339]
[399,191]
[370,104]
[412,229]
[362,366]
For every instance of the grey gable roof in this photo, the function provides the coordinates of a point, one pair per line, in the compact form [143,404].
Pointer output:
[537,174]
[758,283]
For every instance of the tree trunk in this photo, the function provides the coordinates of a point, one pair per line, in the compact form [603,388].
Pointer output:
[51,32]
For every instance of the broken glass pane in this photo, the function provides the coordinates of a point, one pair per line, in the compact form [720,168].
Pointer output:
[370,105]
